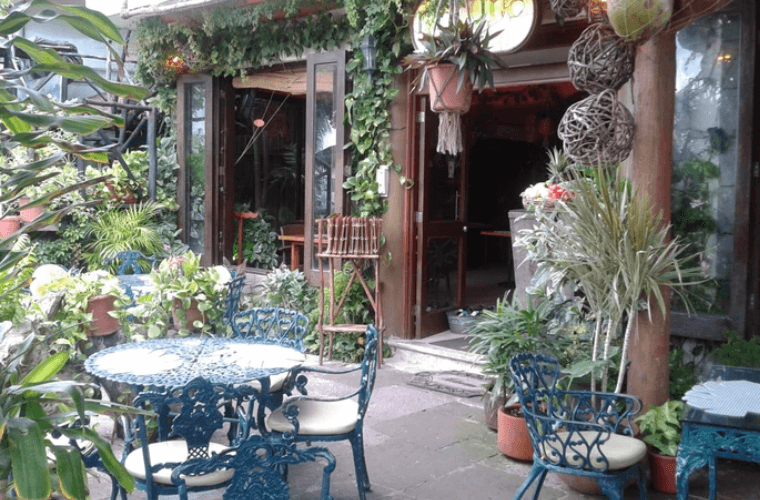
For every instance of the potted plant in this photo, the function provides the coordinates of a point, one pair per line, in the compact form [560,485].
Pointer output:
[190,291]
[661,430]
[498,336]
[88,301]
[455,57]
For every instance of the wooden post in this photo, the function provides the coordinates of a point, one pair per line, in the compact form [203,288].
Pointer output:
[654,101]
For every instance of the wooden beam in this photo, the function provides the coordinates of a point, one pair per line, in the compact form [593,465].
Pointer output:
[654,101]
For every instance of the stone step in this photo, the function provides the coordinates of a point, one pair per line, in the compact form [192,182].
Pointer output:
[415,356]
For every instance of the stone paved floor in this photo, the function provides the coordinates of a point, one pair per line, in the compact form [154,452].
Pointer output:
[430,446]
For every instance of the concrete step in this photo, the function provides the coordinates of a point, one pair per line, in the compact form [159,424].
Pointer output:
[415,356]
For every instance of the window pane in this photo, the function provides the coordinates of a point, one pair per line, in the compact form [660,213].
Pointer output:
[195,154]
[323,185]
[705,153]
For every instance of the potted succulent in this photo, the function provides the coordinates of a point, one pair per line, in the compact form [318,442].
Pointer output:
[661,430]
[454,58]
[190,291]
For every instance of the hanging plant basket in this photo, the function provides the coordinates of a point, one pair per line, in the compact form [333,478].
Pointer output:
[444,96]
[600,60]
[639,20]
[597,129]
[567,8]
[450,103]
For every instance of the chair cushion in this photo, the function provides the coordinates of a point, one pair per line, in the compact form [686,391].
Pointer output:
[621,451]
[318,418]
[276,382]
[174,452]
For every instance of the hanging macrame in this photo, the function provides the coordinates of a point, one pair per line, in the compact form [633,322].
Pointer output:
[598,129]
[450,103]
[600,60]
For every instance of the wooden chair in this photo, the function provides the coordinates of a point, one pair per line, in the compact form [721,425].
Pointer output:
[333,419]
[295,229]
[581,433]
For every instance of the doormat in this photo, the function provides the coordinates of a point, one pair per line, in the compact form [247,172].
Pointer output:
[456,383]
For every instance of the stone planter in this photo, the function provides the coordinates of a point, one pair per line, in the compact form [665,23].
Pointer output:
[102,322]
[513,439]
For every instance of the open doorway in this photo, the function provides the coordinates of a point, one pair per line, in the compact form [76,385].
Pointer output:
[508,134]
[463,202]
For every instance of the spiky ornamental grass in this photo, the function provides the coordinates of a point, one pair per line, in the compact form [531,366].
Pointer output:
[608,240]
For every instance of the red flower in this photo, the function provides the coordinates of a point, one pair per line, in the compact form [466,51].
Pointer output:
[557,192]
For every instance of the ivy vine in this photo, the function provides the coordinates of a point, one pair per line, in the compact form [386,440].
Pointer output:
[230,42]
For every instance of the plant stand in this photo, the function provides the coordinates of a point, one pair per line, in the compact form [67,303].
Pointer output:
[357,240]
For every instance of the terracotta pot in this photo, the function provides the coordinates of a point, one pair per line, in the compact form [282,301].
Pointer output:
[663,472]
[442,84]
[513,439]
[491,405]
[29,214]
[191,315]
[102,322]
[9,225]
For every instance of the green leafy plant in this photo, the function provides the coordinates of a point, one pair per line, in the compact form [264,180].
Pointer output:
[116,230]
[608,241]
[181,283]
[661,427]
[32,406]
[71,317]
[287,289]
[737,351]
[259,242]
[463,44]
[683,375]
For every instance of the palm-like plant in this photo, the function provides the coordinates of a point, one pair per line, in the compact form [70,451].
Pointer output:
[609,241]
[117,230]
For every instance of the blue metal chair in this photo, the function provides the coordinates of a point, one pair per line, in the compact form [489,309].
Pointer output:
[200,415]
[333,419]
[581,433]
[232,297]
[259,466]
[272,325]
[129,261]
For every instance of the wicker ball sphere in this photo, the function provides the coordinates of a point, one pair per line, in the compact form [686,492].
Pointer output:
[600,60]
[598,129]
[567,8]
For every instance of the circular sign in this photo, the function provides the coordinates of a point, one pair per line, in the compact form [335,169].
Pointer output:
[513,20]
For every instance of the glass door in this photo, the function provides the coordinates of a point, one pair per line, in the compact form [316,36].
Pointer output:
[204,119]
[441,231]
[324,147]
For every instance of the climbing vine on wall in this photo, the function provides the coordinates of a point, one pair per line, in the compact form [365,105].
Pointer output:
[230,42]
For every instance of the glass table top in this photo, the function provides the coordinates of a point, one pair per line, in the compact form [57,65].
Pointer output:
[729,397]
